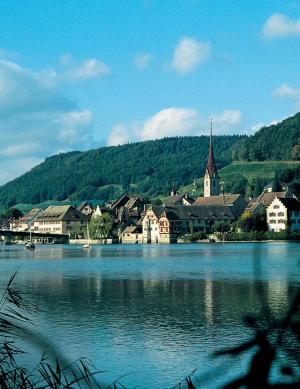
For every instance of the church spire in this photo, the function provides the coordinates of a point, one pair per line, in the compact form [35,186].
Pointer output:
[211,178]
[211,165]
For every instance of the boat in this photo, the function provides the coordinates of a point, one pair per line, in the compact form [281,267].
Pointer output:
[88,244]
[30,245]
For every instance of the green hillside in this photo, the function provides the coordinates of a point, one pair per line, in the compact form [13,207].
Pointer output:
[232,175]
[150,168]
[277,142]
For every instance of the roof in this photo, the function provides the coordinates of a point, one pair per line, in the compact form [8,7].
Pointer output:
[61,213]
[204,212]
[83,205]
[132,200]
[227,199]
[211,168]
[120,201]
[132,230]
[156,209]
[172,200]
[291,204]
[30,216]
[267,197]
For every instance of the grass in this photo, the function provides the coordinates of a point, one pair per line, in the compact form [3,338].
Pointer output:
[250,170]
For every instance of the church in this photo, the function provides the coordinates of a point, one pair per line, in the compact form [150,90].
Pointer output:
[212,194]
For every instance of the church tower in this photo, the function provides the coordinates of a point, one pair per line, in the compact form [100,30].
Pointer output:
[211,178]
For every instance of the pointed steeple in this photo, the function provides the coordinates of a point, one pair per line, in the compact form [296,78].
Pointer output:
[211,165]
[211,178]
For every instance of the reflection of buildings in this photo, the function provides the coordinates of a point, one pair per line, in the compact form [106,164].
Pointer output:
[208,300]
[277,296]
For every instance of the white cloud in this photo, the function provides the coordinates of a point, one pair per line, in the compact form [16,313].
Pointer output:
[36,120]
[143,60]
[175,122]
[88,69]
[286,91]
[279,25]
[228,118]
[118,135]
[189,54]
[170,122]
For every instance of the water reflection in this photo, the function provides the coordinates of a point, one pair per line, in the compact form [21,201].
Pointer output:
[155,312]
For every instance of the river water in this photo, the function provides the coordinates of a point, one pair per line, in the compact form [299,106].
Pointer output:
[153,313]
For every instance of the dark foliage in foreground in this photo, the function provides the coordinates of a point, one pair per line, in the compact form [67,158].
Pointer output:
[51,372]
[275,343]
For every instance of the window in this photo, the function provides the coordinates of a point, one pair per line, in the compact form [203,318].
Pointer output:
[276,206]
[272,214]
[272,221]
[296,213]
[281,221]
[280,214]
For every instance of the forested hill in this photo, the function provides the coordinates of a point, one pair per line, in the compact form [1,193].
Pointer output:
[149,167]
[277,142]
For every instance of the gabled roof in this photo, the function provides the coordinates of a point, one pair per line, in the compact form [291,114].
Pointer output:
[227,199]
[132,230]
[83,205]
[120,202]
[61,213]
[133,200]
[267,197]
[172,200]
[156,209]
[291,204]
[30,216]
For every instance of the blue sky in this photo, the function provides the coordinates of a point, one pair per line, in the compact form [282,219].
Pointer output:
[81,74]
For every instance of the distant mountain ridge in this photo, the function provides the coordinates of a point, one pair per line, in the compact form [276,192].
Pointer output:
[150,168]
[280,141]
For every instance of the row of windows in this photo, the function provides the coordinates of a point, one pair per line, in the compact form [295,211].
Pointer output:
[271,214]
[295,221]
[273,221]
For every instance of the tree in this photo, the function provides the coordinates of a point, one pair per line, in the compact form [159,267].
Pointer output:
[258,187]
[276,187]
[222,226]
[245,221]
[13,213]
[101,226]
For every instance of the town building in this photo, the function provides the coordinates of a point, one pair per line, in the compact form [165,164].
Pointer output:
[236,202]
[62,219]
[132,234]
[127,209]
[165,224]
[86,208]
[283,214]
[25,223]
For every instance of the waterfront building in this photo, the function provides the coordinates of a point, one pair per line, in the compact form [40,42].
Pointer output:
[127,209]
[62,219]
[283,214]
[26,221]
[132,234]
[236,202]
[150,223]
[165,224]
